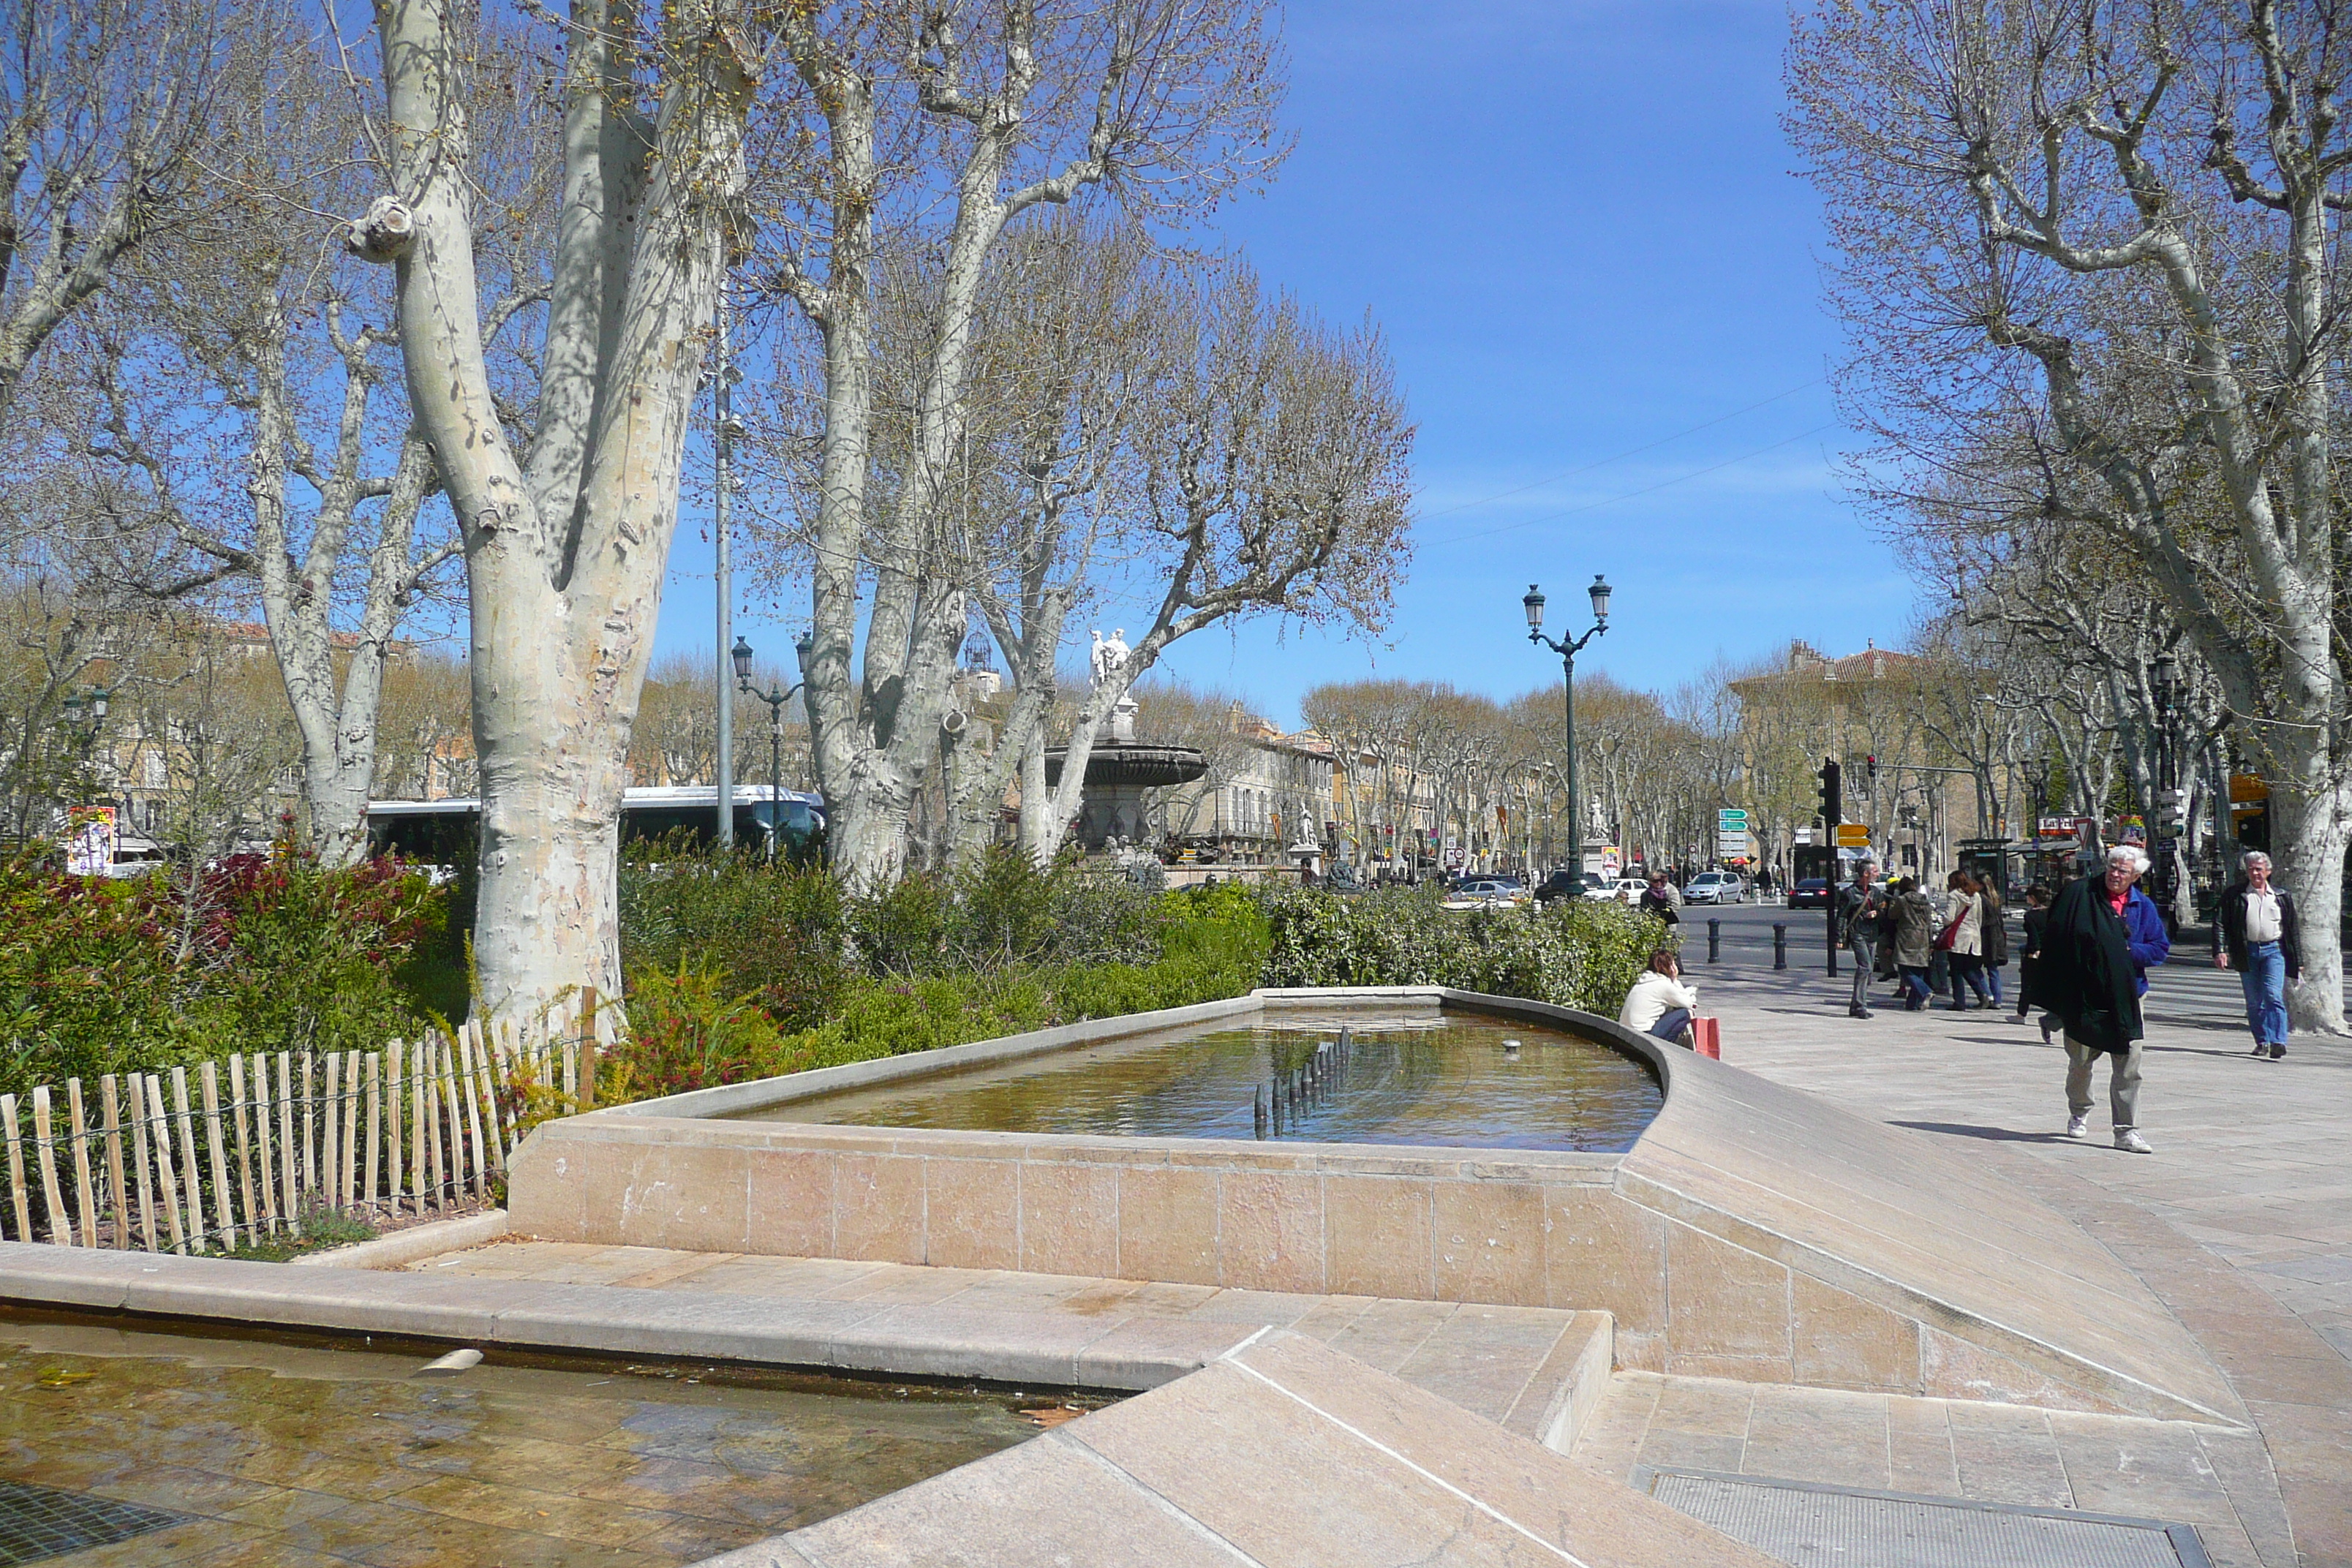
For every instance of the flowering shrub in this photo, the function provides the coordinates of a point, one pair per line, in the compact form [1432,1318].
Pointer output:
[261,953]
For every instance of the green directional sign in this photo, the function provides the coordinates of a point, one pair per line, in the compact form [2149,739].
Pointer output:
[1732,819]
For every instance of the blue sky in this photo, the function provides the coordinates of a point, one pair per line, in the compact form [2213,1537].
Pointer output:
[1577,223]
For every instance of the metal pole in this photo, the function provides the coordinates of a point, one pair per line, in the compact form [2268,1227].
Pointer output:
[1575,805]
[1714,939]
[776,776]
[723,456]
[1779,944]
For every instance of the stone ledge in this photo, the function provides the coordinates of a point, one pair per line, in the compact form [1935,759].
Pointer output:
[887,1338]
[402,1247]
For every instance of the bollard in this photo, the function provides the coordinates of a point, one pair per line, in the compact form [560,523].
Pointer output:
[1779,944]
[1257,1111]
[1714,939]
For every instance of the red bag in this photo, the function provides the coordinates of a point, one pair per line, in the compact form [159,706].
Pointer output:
[1945,937]
[1706,1039]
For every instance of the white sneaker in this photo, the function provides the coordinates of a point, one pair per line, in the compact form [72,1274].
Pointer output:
[2078,1127]
[2131,1142]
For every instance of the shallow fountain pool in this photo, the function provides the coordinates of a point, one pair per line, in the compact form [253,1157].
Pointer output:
[1407,1077]
[183,1449]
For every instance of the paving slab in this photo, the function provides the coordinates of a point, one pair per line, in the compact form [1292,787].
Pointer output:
[2217,1479]
[1372,1473]
[2240,1224]
[1492,1360]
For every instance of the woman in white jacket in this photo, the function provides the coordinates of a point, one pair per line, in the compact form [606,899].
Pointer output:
[1964,916]
[1659,1003]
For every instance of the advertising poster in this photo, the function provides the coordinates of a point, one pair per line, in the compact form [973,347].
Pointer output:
[89,840]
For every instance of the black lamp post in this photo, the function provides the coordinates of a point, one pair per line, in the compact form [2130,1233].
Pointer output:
[1534,602]
[91,705]
[2164,683]
[775,700]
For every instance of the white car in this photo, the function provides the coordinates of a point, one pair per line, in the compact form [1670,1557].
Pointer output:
[1715,888]
[1485,893]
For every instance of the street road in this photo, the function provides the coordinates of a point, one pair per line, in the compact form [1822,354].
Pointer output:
[2189,991]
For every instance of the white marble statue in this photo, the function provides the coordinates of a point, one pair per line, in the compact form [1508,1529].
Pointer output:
[1106,659]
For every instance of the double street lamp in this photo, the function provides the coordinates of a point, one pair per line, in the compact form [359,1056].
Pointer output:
[775,700]
[1567,652]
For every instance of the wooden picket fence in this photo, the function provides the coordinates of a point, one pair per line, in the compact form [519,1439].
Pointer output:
[155,1161]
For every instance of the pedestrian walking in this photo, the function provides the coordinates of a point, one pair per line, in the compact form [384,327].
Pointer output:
[1992,937]
[2103,934]
[2262,939]
[2036,925]
[1962,938]
[1659,1003]
[1914,936]
[1660,898]
[1860,909]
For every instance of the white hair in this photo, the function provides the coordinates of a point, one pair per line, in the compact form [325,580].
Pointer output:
[2133,853]
[2254,858]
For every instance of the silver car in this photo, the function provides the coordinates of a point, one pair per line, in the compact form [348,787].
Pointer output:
[1715,888]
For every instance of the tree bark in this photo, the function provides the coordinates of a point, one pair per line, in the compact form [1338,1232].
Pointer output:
[565,549]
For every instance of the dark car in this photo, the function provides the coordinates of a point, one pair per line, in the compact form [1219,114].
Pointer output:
[1809,893]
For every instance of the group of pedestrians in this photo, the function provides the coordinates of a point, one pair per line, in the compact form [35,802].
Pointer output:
[1895,932]
[2083,961]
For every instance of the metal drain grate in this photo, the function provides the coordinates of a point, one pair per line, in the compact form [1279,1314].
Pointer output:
[40,1522]
[1810,1526]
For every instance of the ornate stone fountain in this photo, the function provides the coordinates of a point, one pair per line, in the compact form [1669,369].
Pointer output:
[1114,803]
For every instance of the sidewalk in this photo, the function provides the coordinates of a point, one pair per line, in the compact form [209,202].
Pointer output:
[2241,1221]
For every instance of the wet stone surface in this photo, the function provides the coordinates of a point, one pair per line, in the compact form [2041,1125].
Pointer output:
[288,1454]
[1409,1078]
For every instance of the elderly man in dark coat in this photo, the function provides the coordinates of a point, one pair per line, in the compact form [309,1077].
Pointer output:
[2104,933]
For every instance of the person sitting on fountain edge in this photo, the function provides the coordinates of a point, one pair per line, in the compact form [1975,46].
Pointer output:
[1659,1003]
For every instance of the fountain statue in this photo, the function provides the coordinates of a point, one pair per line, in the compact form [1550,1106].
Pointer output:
[1114,803]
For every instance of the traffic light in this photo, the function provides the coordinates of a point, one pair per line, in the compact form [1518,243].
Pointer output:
[1832,795]
[1873,789]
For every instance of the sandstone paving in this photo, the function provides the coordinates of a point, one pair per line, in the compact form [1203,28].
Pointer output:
[2214,1478]
[2240,1223]
[1485,1359]
[1281,1454]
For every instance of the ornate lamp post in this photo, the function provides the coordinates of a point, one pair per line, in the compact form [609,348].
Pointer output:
[775,700]
[1534,602]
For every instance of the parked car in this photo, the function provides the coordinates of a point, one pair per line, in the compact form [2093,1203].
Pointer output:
[1809,893]
[1485,893]
[1564,884]
[1715,888]
[1628,889]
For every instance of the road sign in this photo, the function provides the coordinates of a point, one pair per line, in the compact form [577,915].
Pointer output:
[1853,834]
[1732,816]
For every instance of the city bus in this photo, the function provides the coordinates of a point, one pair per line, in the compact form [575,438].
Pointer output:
[789,824]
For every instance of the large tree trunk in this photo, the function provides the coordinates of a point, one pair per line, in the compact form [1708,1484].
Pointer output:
[565,550]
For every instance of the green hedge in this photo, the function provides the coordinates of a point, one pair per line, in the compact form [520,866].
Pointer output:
[695,1024]
[760,972]
[1582,955]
